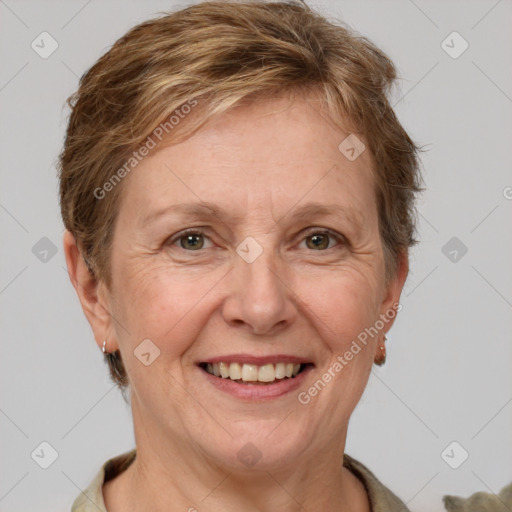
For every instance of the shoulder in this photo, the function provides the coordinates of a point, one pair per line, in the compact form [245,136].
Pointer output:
[91,499]
[381,498]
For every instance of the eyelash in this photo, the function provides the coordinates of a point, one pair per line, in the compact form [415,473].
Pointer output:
[313,231]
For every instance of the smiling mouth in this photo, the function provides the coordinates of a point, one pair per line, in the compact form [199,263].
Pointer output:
[244,373]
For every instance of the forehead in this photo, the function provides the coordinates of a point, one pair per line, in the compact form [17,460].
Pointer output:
[278,153]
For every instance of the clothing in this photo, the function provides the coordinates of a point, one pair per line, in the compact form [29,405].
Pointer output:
[91,500]
[481,501]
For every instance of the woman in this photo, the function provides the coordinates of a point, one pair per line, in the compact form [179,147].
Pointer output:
[238,202]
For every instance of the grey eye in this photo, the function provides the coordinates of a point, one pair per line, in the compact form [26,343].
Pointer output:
[193,241]
[319,240]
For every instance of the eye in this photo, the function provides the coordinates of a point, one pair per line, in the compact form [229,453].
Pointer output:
[319,239]
[190,240]
[316,239]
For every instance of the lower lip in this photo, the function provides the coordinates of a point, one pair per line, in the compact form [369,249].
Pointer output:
[257,391]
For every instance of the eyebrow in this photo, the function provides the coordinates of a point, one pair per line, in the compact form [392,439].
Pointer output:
[306,211]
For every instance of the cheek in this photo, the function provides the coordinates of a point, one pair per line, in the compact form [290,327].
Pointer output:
[343,309]
[166,307]
[343,304]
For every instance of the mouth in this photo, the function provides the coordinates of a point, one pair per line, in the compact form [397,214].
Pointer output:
[255,374]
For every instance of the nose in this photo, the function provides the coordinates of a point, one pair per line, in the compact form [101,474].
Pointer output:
[261,298]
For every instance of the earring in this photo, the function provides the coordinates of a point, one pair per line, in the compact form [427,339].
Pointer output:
[103,349]
[381,359]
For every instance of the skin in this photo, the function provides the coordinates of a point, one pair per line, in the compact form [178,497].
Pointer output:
[260,162]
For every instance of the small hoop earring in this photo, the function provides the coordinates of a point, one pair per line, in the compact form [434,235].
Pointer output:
[382,358]
[103,349]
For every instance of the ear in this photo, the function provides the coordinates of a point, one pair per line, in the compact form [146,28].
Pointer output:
[393,290]
[92,294]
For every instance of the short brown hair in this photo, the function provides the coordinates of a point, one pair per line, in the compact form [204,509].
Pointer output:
[220,54]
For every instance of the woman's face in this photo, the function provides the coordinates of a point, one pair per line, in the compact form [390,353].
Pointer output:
[256,283]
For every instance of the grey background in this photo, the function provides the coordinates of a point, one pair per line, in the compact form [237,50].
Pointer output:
[448,375]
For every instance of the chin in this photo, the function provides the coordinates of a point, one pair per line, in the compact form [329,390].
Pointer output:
[259,445]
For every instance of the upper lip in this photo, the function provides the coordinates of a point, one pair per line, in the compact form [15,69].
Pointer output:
[256,360]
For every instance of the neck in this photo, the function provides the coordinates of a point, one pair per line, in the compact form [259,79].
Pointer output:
[186,482]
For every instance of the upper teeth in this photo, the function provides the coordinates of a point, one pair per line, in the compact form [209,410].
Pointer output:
[252,372]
